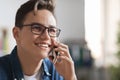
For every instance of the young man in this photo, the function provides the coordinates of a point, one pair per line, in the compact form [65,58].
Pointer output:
[36,35]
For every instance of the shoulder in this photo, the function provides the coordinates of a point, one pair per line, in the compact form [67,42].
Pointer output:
[4,63]
[4,60]
[4,67]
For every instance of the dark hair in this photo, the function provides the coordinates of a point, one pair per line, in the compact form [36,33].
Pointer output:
[32,5]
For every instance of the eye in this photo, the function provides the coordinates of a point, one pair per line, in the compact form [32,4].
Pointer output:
[37,28]
[52,30]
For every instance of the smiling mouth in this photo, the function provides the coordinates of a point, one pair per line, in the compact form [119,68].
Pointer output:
[43,45]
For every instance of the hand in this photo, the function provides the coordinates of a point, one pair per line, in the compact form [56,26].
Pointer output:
[65,64]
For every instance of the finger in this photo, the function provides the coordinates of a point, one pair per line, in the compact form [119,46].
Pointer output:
[62,45]
[58,44]
[63,51]
[63,59]
[65,48]
[54,42]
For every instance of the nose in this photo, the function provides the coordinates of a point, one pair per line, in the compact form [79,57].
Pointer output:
[45,34]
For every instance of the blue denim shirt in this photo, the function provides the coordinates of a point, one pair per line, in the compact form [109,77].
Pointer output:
[10,68]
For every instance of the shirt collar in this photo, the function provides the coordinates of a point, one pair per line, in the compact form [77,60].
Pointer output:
[15,64]
[46,67]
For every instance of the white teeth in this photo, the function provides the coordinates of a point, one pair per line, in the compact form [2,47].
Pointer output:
[43,45]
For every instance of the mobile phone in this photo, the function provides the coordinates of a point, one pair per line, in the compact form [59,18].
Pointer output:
[53,55]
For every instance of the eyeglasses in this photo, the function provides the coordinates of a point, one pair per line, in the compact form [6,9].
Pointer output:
[38,29]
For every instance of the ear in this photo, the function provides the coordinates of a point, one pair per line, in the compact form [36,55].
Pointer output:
[16,33]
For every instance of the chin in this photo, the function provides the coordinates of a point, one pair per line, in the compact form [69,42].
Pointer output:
[43,55]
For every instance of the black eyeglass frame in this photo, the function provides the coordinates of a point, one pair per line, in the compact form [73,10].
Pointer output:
[48,28]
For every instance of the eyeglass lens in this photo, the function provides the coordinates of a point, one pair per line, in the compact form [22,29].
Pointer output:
[39,29]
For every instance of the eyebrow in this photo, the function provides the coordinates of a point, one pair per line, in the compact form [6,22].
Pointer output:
[51,26]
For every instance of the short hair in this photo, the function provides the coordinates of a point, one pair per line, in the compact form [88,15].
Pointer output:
[32,5]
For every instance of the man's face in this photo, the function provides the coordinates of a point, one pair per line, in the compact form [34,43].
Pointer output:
[32,45]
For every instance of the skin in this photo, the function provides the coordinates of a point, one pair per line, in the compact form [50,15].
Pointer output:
[32,49]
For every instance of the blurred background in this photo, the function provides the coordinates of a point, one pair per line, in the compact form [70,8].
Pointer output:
[91,28]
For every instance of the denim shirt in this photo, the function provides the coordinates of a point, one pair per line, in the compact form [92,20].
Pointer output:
[10,68]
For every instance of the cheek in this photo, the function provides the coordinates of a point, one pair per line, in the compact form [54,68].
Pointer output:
[26,38]
[35,37]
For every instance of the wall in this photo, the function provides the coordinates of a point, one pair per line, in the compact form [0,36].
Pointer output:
[111,22]
[70,15]
[7,16]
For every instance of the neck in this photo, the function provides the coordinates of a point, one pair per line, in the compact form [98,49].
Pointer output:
[29,65]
